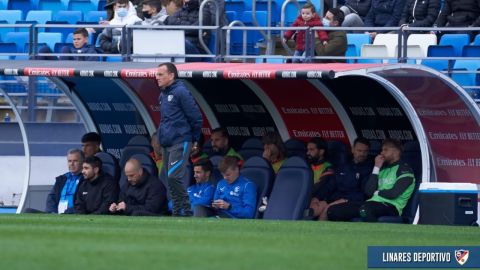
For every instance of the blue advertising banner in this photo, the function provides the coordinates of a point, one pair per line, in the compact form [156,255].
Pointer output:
[424,257]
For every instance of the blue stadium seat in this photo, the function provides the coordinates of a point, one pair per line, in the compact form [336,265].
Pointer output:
[58,46]
[7,48]
[41,16]
[358,40]
[140,140]
[351,51]
[113,59]
[19,38]
[291,191]
[466,79]
[82,5]
[476,41]
[11,16]
[101,5]
[291,11]
[64,31]
[70,16]
[455,40]
[252,147]
[53,5]
[412,156]
[439,51]
[50,39]
[236,6]
[23,5]
[260,172]
[252,36]
[336,152]
[109,164]
[471,51]
[280,59]
[131,150]
[3,4]
[262,5]
[296,148]
[231,15]
[95,15]
[24,29]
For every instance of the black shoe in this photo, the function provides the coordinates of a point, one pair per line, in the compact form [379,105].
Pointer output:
[183,214]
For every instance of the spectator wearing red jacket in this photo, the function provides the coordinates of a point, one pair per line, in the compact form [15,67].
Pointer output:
[310,18]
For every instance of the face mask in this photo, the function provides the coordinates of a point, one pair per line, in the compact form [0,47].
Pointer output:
[325,22]
[122,12]
[147,15]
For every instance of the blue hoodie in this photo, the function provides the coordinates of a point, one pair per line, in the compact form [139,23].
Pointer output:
[201,194]
[181,120]
[241,195]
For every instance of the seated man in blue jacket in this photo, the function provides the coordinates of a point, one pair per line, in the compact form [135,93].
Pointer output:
[235,196]
[202,192]
[143,195]
[62,195]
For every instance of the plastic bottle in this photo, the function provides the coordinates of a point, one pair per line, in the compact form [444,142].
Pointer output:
[6,118]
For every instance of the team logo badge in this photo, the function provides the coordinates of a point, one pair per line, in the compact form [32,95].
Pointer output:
[461,256]
[170,97]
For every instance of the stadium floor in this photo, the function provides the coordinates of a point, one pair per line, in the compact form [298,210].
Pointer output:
[107,242]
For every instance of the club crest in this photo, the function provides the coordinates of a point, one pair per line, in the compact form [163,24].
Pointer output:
[461,256]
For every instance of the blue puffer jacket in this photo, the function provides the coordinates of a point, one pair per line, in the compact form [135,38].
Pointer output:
[384,13]
[241,195]
[181,120]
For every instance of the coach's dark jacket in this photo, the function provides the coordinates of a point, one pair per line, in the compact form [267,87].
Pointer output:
[420,13]
[95,197]
[459,13]
[148,197]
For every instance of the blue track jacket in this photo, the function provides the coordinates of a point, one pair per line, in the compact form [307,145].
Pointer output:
[241,194]
[201,194]
[181,120]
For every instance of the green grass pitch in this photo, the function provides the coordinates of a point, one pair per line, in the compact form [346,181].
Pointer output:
[112,242]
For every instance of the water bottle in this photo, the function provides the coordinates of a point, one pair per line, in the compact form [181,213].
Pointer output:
[6,118]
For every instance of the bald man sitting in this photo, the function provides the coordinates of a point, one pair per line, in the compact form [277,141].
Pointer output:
[144,194]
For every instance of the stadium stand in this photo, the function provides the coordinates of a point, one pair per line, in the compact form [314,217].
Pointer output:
[40,16]
[70,16]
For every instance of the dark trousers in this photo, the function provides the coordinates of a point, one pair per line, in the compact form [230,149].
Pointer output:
[370,211]
[206,211]
[175,159]
[344,211]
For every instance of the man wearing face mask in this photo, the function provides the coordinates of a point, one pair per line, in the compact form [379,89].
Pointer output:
[337,40]
[124,14]
[153,12]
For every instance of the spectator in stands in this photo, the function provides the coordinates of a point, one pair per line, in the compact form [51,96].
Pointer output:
[144,194]
[459,13]
[384,13]
[80,46]
[153,13]
[274,150]
[110,13]
[308,17]
[124,14]
[173,6]
[62,195]
[235,196]
[348,184]
[180,125]
[201,193]
[337,40]
[355,12]
[97,192]
[91,143]
[189,16]
[157,154]
[390,185]
[420,13]
[221,144]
